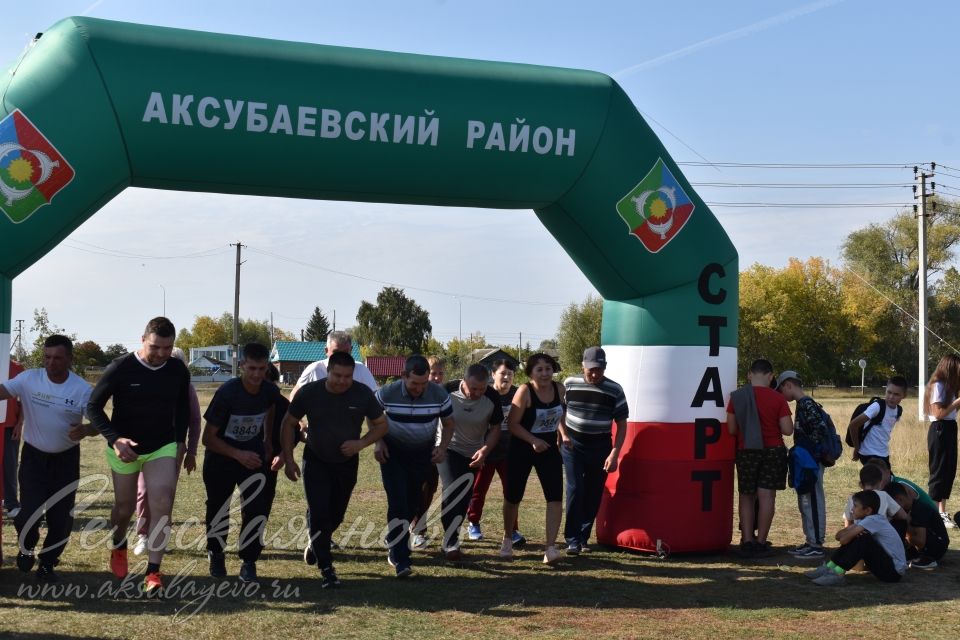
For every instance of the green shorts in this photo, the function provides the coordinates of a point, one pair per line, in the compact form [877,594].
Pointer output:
[126,468]
[761,469]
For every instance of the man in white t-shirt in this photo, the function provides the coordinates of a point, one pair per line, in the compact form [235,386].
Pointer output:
[876,442]
[336,341]
[53,400]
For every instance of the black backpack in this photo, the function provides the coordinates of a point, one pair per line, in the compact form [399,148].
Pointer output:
[869,424]
[830,449]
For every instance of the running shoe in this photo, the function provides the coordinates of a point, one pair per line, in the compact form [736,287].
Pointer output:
[454,555]
[404,571]
[947,520]
[506,549]
[25,561]
[518,540]
[923,562]
[810,553]
[118,563]
[798,551]
[328,578]
[573,549]
[45,573]
[473,532]
[829,579]
[309,556]
[218,565]
[141,545]
[152,584]
[420,541]
[813,574]
[248,571]
[551,555]
[584,547]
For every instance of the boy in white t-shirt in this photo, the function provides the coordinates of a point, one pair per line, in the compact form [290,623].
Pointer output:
[869,538]
[53,399]
[876,442]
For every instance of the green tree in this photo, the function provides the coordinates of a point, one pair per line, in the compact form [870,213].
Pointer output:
[318,326]
[114,351]
[394,325]
[886,257]
[550,343]
[579,328]
[207,331]
[43,327]
[88,354]
[458,351]
[795,318]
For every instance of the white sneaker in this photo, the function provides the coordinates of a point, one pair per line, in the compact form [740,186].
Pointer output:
[506,549]
[947,520]
[420,541]
[551,555]
[141,545]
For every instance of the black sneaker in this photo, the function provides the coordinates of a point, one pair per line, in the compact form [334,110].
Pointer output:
[923,562]
[25,561]
[309,556]
[329,579]
[763,549]
[573,549]
[404,571]
[746,549]
[45,573]
[248,571]
[218,565]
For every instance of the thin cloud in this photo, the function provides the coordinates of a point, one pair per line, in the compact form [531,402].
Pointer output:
[742,32]
[89,9]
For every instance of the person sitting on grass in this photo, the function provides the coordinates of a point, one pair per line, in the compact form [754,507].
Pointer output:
[871,479]
[913,489]
[869,538]
[926,538]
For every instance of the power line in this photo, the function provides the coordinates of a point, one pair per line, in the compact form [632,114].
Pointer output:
[403,286]
[119,253]
[803,185]
[790,165]
[811,205]
[659,124]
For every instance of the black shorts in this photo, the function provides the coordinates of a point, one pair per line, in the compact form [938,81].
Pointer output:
[521,458]
[761,469]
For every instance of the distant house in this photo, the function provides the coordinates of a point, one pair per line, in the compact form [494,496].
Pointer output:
[293,357]
[383,367]
[487,357]
[222,352]
[210,369]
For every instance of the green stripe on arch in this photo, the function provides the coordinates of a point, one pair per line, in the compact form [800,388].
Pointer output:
[679,316]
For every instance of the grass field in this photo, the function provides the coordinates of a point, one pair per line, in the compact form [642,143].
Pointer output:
[606,594]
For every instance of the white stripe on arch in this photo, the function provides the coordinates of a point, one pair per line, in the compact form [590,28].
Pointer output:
[660,382]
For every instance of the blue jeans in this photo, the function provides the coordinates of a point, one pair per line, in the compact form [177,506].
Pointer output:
[583,464]
[403,475]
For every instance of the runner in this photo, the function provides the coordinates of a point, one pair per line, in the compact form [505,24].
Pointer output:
[535,418]
[496,462]
[594,404]
[478,416]
[418,526]
[53,400]
[146,432]
[336,408]
[414,406]
[239,453]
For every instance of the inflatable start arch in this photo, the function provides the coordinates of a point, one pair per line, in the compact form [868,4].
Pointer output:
[94,106]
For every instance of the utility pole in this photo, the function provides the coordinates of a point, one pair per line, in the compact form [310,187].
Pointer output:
[922,282]
[17,345]
[236,312]
[334,319]
[271,330]
[520,348]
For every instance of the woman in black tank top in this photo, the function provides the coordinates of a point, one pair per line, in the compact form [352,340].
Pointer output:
[536,422]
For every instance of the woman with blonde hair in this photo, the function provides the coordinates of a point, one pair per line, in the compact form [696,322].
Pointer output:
[941,402]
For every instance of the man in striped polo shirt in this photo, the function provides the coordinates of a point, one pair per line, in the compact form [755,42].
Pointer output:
[413,406]
[594,403]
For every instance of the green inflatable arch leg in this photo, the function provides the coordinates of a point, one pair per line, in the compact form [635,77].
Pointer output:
[96,106]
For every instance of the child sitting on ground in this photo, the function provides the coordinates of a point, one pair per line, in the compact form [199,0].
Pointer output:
[926,537]
[871,479]
[913,489]
[869,538]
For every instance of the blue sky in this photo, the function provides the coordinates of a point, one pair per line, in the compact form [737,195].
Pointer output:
[828,82]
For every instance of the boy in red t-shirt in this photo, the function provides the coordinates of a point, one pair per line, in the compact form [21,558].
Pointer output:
[759,417]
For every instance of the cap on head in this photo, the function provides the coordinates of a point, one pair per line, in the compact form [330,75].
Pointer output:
[789,375]
[594,357]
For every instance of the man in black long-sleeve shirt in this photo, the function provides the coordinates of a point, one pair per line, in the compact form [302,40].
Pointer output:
[146,433]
